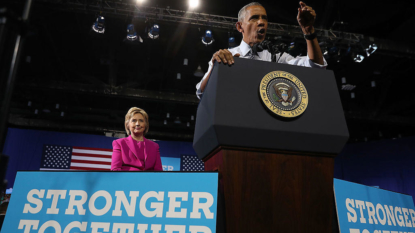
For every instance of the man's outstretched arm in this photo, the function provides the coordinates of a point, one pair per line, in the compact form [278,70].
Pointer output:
[306,17]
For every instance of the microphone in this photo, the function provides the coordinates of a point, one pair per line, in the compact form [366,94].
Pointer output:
[263,45]
[267,45]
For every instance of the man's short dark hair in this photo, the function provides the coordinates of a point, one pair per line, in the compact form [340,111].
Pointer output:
[242,12]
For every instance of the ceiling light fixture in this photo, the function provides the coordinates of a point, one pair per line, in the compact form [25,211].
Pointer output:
[193,4]
[207,39]
[359,58]
[371,49]
[131,33]
[154,32]
[99,25]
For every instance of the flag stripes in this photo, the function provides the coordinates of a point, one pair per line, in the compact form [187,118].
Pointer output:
[75,158]
[90,158]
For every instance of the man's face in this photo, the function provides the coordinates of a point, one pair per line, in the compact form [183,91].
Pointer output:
[254,26]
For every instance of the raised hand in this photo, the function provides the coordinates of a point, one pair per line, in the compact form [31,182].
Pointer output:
[306,17]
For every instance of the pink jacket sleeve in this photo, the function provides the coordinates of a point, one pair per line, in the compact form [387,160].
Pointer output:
[158,166]
[116,159]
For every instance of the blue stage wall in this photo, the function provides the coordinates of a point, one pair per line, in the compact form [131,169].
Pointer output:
[24,147]
[388,164]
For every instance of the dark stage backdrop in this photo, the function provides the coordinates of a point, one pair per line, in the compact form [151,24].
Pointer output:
[388,164]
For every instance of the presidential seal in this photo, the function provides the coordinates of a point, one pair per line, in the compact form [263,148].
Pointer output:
[283,94]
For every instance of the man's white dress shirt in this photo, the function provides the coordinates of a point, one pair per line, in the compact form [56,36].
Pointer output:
[245,52]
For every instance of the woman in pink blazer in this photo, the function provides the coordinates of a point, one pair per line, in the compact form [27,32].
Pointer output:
[135,152]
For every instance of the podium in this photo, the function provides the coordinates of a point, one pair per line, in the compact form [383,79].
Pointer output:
[276,173]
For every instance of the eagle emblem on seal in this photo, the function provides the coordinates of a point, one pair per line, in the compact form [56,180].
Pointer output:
[284,92]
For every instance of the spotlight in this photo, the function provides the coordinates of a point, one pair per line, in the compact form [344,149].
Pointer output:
[371,49]
[334,53]
[131,33]
[154,32]
[207,39]
[359,58]
[294,49]
[232,42]
[199,72]
[292,46]
[99,25]
[193,4]
[323,46]
[333,50]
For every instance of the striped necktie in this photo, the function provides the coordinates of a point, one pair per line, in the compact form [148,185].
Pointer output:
[251,54]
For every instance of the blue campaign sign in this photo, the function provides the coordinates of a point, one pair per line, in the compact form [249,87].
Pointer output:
[170,164]
[118,202]
[364,209]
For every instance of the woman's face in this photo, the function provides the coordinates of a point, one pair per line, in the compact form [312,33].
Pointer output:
[137,124]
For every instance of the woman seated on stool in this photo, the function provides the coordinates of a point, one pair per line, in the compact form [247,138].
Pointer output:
[135,152]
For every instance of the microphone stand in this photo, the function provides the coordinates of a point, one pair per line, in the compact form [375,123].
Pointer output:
[267,45]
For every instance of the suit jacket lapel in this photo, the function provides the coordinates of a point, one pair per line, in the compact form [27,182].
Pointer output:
[146,148]
[130,144]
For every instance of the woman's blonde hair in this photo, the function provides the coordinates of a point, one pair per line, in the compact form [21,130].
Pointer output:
[131,113]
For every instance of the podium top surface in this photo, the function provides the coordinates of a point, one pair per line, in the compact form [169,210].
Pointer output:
[232,113]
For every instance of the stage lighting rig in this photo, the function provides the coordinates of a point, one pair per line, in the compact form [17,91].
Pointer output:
[131,33]
[371,49]
[231,40]
[99,25]
[154,32]
[295,48]
[323,47]
[359,58]
[207,39]
[193,4]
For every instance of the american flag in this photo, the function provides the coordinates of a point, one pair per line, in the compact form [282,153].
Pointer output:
[191,163]
[75,158]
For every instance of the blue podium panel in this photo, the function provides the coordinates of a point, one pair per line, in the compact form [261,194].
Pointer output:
[170,164]
[118,202]
[364,209]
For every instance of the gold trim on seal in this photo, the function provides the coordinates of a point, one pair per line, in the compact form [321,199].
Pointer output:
[263,87]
